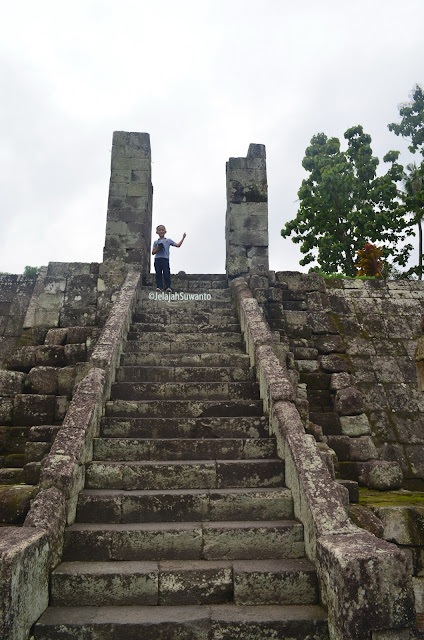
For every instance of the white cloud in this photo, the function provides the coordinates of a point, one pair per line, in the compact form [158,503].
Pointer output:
[204,79]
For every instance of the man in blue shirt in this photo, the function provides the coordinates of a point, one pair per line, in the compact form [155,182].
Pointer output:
[161,252]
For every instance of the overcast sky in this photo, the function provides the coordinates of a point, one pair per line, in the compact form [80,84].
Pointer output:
[204,78]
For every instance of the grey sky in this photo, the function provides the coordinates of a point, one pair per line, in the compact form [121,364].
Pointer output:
[205,78]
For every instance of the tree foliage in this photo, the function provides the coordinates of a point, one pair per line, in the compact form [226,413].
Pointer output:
[412,123]
[31,271]
[343,203]
[413,197]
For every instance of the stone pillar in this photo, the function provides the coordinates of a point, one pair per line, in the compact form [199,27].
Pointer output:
[129,213]
[246,227]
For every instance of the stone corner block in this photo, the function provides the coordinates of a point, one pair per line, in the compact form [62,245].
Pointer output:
[24,560]
[381,475]
[366,585]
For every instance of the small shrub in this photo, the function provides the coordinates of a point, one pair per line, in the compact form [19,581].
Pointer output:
[31,271]
[370,261]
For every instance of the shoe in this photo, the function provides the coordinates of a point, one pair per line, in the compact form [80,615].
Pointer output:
[169,290]
[157,289]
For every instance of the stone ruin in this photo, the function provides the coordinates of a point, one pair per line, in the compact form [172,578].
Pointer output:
[335,365]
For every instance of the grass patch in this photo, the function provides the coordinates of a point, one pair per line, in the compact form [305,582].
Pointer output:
[390,498]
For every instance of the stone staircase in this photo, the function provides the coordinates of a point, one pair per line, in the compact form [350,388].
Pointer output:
[185,529]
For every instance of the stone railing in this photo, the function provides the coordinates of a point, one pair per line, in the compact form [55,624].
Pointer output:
[28,554]
[364,581]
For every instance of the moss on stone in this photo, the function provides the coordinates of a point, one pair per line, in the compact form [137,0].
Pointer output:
[390,498]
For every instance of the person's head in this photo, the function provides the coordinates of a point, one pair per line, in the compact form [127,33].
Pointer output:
[160,230]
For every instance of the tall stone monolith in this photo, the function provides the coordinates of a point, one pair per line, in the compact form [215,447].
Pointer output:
[246,228]
[129,213]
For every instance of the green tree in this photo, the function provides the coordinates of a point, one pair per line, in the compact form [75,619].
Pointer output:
[412,124]
[344,204]
[31,271]
[413,196]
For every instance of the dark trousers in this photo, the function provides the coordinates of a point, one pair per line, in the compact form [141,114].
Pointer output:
[162,268]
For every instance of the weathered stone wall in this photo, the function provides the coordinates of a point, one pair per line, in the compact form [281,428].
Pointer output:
[352,344]
[129,213]
[15,294]
[28,554]
[64,294]
[380,324]
[364,582]
[246,228]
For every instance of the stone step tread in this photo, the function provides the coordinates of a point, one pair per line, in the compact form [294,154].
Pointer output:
[11,475]
[204,360]
[185,474]
[182,526]
[172,317]
[186,582]
[179,390]
[194,622]
[149,337]
[183,408]
[131,567]
[203,306]
[184,505]
[218,427]
[182,449]
[185,347]
[194,306]
[187,326]
[236,540]
[164,373]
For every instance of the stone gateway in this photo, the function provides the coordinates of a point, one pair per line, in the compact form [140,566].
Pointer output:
[239,458]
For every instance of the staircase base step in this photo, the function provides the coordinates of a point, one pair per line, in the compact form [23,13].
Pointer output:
[176,583]
[201,622]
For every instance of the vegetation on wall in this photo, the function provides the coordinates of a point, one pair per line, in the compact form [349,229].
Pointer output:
[370,261]
[31,271]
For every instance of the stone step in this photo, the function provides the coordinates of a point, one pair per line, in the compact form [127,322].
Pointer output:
[144,305]
[186,286]
[188,338]
[247,540]
[175,583]
[183,346]
[184,390]
[169,317]
[15,500]
[185,474]
[132,358]
[127,449]
[183,408]
[225,427]
[195,622]
[183,374]
[12,476]
[114,506]
[14,460]
[185,327]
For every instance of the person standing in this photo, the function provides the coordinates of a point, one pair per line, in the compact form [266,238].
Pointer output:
[161,252]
